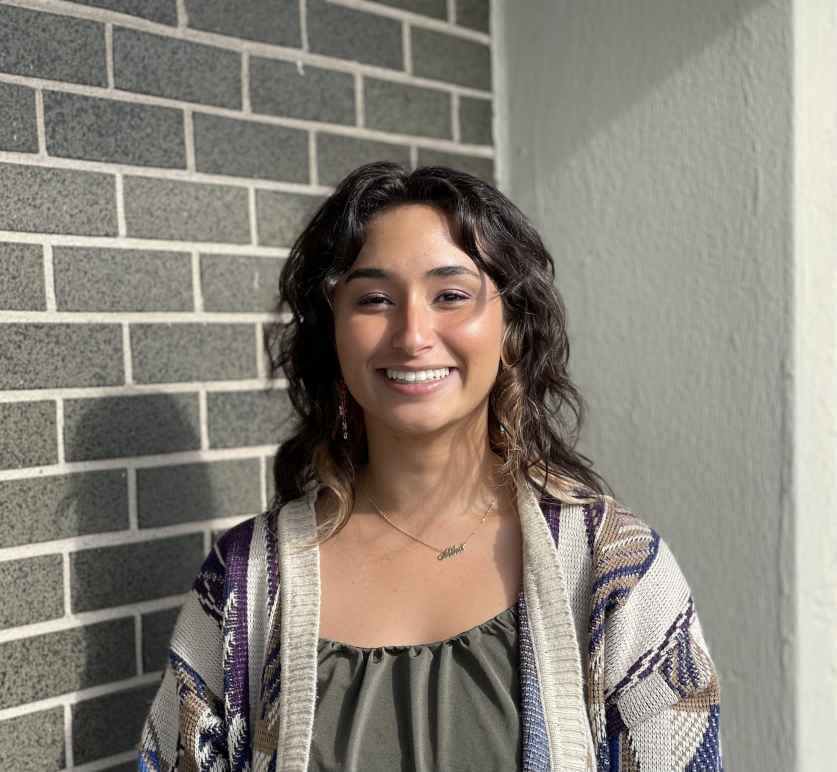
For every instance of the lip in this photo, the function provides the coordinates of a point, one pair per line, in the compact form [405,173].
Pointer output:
[417,389]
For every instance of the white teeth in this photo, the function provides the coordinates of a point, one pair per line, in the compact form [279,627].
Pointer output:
[406,376]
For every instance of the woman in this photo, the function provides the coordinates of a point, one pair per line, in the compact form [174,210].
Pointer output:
[441,581]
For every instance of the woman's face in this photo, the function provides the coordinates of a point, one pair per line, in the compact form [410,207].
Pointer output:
[390,311]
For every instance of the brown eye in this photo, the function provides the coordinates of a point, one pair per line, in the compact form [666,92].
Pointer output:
[371,300]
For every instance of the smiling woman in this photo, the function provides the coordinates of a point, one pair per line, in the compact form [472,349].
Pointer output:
[441,581]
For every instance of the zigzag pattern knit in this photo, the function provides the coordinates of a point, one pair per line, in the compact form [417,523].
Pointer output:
[648,688]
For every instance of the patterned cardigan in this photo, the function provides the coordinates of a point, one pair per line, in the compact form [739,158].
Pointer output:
[615,674]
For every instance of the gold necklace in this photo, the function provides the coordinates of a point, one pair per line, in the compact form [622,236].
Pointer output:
[452,550]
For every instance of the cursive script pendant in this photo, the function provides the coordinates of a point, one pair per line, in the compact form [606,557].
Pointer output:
[451,551]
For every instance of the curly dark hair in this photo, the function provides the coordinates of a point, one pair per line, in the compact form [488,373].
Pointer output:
[533,399]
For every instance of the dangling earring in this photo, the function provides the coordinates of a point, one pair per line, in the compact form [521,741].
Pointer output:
[341,387]
[502,367]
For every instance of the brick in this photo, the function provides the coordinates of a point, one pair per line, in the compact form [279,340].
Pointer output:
[43,356]
[281,216]
[52,664]
[29,436]
[114,427]
[263,20]
[119,132]
[188,211]
[110,724]
[62,506]
[338,155]
[38,590]
[34,742]
[18,129]
[475,14]
[479,167]
[475,120]
[107,279]
[438,9]
[233,283]
[250,149]
[296,90]
[167,67]
[104,577]
[21,277]
[161,11]
[44,45]
[128,766]
[407,109]
[157,628]
[39,200]
[169,495]
[346,33]
[174,353]
[243,418]
[450,58]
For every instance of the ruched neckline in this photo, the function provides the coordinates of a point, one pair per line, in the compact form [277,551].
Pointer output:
[506,620]
[445,704]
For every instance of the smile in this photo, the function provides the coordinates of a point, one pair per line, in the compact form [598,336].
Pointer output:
[423,382]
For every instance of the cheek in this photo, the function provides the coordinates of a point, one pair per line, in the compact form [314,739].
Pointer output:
[481,337]
[355,339]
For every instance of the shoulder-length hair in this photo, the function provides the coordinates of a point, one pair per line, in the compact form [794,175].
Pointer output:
[533,400]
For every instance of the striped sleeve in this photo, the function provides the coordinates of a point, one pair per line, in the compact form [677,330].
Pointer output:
[185,728]
[658,683]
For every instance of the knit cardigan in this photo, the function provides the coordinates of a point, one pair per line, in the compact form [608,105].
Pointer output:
[615,674]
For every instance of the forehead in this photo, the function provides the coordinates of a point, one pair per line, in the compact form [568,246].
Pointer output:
[410,234]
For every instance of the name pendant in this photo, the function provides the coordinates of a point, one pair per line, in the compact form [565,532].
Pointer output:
[451,551]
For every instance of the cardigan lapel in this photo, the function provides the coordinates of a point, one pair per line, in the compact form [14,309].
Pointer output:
[299,591]
[555,732]
[549,646]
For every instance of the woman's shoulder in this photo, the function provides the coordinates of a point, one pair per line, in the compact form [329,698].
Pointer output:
[643,611]
[632,566]
[612,530]
[628,551]
[253,538]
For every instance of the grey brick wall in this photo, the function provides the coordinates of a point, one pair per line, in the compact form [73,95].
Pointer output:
[157,159]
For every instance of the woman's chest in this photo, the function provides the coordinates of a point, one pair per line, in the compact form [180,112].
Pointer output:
[401,593]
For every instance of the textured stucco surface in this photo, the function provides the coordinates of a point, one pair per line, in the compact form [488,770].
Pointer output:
[651,143]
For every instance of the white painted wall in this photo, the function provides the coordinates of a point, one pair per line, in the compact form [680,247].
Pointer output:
[815,378]
[652,143]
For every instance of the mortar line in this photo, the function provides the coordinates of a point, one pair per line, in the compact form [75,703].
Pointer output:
[40,123]
[121,224]
[59,427]
[203,419]
[251,211]
[197,284]
[360,107]
[303,25]
[133,502]
[49,279]
[189,139]
[405,44]
[245,83]
[127,363]
[109,55]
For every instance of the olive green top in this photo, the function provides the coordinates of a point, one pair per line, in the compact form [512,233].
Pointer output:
[449,704]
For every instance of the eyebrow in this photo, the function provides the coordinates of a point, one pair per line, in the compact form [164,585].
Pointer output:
[380,273]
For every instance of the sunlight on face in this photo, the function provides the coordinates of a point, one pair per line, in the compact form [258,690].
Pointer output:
[414,300]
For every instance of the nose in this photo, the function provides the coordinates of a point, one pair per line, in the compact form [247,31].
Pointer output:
[413,327]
